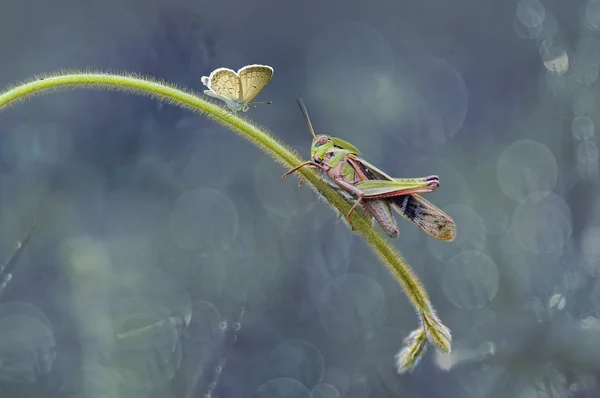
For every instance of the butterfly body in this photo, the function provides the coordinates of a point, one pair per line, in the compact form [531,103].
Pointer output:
[238,89]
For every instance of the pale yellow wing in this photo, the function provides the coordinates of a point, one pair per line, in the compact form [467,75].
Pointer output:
[225,83]
[254,78]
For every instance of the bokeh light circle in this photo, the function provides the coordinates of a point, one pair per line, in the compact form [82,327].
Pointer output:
[204,219]
[470,280]
[555,59]
[531,13]
[353,307]
[592,13]
[527,169]
[436,101]
[582,128]
[583,101]
[587,152]
[282,387]
[590,247]
[299,360]
[584,73]
[27,349]
[542,226]
[325,391]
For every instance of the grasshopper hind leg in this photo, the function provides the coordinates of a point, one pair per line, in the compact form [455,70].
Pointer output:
[376,208]
[382,213]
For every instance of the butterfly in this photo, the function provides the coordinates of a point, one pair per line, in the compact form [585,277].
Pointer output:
[237,90]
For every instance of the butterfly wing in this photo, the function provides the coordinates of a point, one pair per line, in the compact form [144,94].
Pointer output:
[225,83]
[415,208]
[211,93]
[253,79]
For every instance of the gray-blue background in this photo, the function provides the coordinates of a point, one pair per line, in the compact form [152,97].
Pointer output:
[170,260]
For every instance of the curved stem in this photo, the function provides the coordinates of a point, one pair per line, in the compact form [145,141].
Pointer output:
[436,332]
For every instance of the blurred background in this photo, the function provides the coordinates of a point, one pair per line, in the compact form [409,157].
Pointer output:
[162,256]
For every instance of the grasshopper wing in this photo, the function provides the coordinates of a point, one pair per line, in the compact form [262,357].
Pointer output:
[415,208]
[425,215]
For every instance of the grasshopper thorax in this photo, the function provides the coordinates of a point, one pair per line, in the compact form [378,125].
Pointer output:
[320,146]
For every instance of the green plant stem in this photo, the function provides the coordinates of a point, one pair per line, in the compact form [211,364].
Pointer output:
[264,140]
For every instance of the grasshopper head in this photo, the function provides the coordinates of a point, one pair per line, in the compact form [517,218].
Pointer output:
[320,146]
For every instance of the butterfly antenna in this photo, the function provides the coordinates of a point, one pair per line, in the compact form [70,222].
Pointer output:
[305,114]
[259,103]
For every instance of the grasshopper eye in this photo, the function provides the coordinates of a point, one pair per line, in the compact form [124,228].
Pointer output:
[321,141]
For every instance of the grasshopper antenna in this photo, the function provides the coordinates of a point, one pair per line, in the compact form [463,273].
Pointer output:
[305,114]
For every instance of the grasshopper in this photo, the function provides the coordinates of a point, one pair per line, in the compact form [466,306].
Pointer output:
[376,191]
